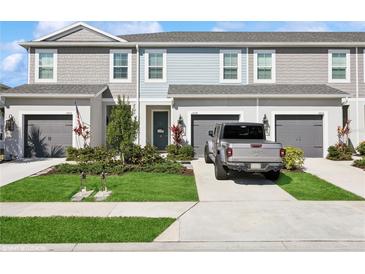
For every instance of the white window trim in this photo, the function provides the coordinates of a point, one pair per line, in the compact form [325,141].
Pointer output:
[111,66]
[273,66]
[221,66]
[363,62]
[36,60]
[348,67]
[164,65]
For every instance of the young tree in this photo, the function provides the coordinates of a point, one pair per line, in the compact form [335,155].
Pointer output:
[122,127]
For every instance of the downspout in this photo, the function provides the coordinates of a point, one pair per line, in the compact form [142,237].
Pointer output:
[138,95]
[357,100]
[257,109]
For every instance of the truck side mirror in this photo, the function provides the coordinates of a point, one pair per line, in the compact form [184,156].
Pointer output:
[210,133]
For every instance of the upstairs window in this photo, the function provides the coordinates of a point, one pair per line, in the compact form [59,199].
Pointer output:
[45,65]
[155,68]
[230,66]
[264,66]
[120,65]
[338,66]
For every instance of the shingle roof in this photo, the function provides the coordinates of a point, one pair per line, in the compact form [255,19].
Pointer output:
[3,87]
[246,37]
[52,89]
[253,89]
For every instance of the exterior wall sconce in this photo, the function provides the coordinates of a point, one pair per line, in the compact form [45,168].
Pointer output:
[10,123]
[265,121]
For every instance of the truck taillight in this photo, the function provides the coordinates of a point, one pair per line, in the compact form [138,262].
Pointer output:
[282,152]
[229,152]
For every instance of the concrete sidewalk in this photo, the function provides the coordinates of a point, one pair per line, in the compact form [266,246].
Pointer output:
[15,170]
[188,246]
[339,173]
[269,221]
[97,209]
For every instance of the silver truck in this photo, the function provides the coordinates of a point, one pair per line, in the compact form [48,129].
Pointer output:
[243,147]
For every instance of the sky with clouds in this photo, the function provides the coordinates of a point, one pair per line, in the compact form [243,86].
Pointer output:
[13,58]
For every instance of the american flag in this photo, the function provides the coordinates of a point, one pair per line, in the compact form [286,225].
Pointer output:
[78,130]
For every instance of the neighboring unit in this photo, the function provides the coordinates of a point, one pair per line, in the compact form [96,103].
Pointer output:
[300,85]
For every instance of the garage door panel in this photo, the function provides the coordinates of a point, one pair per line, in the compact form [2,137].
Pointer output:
[201,124]
[303,131]
[50,135]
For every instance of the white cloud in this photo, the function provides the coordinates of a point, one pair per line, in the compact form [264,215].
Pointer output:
[12,62]
[117,28]
[12,46]
[229,26]
[47,27]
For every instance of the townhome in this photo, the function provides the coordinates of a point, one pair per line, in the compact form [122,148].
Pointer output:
[302,86]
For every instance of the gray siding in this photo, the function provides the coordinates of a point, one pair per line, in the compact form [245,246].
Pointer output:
[88,66]
[187,66]
[305,66]
[84,35]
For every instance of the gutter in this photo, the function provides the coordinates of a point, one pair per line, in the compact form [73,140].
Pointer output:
[138,92]
[30,95]
[357,98]
[208,96]
[190,44]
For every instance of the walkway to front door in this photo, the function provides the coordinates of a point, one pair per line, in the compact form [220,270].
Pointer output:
[160,129]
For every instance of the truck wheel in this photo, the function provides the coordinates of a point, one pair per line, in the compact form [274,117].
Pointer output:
[206,155]
[272,175]
[220,172]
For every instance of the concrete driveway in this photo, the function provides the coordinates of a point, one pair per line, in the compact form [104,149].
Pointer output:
[19,169]
[339,173]
[244,188]
[252,209]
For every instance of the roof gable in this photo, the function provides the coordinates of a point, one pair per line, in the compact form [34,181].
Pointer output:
[80,32]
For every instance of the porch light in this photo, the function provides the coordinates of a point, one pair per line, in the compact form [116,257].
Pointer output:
[10,123]
[265,121]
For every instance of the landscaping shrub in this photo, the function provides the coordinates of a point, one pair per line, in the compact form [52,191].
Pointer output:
[90,154]
[339,152]
[361,148]
[360,163]
[294,158]
[150,155]
[175,152]
[133,154]
[118,168]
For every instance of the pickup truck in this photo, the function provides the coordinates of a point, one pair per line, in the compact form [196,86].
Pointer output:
[243,147]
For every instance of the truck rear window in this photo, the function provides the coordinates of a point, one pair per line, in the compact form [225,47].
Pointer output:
[243,132]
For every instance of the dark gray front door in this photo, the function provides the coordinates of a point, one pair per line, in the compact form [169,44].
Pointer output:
[47,135]
[201,124]
[160,129]
[303,131]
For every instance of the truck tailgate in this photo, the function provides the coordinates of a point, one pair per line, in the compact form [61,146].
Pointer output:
[255,152]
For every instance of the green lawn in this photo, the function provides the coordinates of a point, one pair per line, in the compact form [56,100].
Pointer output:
[133,186]
[305,186]
[22,230]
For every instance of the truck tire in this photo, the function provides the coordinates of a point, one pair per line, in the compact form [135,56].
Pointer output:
[206,155]
[219,171]
[272,175]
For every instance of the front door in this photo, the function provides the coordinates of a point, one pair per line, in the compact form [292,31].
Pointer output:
[160,129]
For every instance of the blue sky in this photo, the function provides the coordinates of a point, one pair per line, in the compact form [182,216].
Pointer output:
[13,60]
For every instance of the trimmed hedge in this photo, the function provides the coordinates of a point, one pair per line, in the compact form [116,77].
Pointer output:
[361,148]
[117,168]
[294,158]
[185,152]
[90,154]
[339,153]
[360,163]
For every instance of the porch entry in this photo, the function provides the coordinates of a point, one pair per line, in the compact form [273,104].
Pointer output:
[160,129]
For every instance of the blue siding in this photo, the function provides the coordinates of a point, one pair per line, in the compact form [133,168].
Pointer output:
[187,66]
